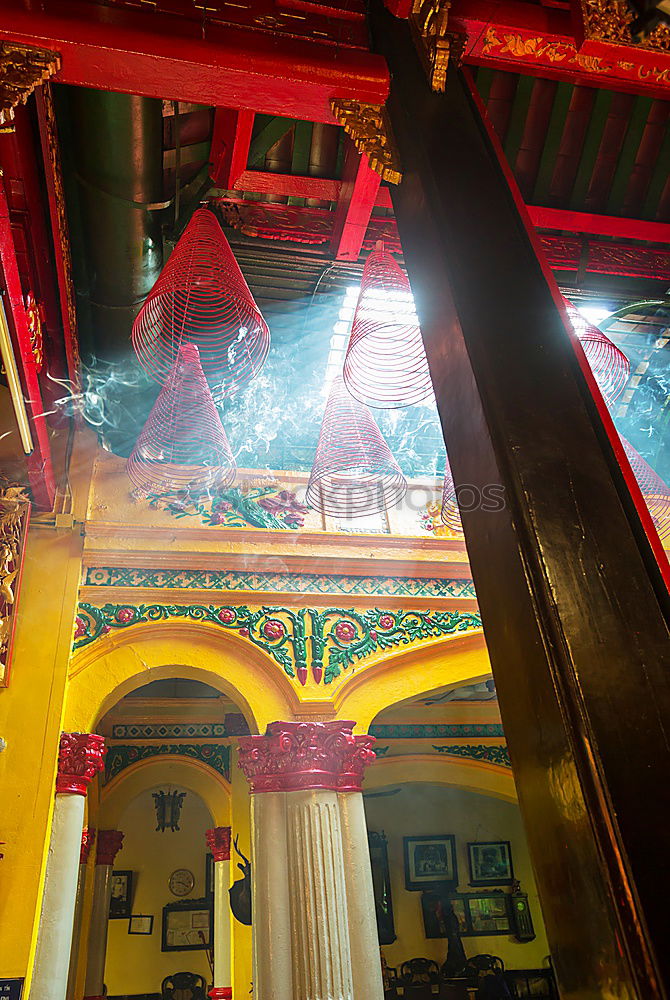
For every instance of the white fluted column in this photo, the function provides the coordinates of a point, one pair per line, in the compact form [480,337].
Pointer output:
[301,924]
[218,841]
[366,974]
[87,838]
[80,757]
[109,845]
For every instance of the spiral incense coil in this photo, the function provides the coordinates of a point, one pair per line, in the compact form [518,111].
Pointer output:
[354,472]
[183,447]
[609,365]
[385,365]
[202,298]
[655,492]
[451,515]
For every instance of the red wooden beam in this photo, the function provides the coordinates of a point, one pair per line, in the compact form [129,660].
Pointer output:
[157,54]
[40,469]
[359,190]
[290,185]
[543,41]
[229,152]
[566,220]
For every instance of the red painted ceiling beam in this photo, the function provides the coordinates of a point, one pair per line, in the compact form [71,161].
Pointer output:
[288,185]
[229,151]
[160,55]
[360,185]
[40,468]
[565,220]
[544,41]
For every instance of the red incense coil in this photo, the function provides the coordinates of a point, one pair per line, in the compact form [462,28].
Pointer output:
[609,365]
[451,515]
[354,472]
[655,492]
[183,447]
[202,298]
[385,365]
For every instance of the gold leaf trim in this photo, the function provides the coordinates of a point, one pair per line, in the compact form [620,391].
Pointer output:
[369,127]
[22,68]
[435,43]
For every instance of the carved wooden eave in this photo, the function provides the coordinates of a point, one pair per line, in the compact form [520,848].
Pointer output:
[369,127]
[609,21]
[435,43]
[22,68]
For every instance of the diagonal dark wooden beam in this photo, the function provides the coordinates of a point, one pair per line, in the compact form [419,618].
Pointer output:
[567,566]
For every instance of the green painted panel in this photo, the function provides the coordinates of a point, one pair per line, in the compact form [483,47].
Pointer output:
[302,142]
[517,121]
[557,119]
[629,150]
[269,134]
[594,134]
[658,180]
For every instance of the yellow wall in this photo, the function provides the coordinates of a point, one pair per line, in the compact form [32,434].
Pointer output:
[136,964]
[432,809]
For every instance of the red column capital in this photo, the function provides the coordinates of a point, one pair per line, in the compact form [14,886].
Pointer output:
[110,843]
[80,757]
[218,841]
[87,841]
[291,756]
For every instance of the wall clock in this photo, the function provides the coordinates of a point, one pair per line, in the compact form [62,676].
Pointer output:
[181,882]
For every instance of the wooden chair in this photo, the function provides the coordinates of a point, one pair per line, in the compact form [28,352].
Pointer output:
[420,979]
[183,986]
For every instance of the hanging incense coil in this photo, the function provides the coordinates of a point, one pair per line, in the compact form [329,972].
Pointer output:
[385,365]
[202,298]
[354,472]
[609,365]
[451,515]
[183,448]
[655,492]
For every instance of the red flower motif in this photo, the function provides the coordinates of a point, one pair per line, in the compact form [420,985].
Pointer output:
[273,629]
[244,631]
[81,629]
[226,615]
[217,519]
[222,505]
[293,519]
[373,635]
[386,621]
[105,629]
[345,631]
[124,615]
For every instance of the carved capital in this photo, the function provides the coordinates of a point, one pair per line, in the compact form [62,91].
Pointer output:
[370,131]
[609,21]
[436,45]
[87,841]
[80,757]
[295,756]
[218,841]
[22,68]
[110,843]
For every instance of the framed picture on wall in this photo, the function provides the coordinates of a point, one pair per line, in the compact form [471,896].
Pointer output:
[429,861]
[121,900]
[187,925]
[491,863]
[141,924]
[473,913]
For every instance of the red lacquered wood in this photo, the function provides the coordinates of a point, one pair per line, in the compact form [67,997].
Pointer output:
[358,194]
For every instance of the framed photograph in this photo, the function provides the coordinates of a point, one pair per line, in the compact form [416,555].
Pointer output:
[141,924]
[121,900]
[491,863]
[429,861]
[470,913]
[209,875]
[187,925]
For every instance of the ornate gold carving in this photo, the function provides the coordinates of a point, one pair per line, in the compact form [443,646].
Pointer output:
[609,20]
[370,130]
[21,70]
[34,317]
[436,45]
[14,513]
[60,226]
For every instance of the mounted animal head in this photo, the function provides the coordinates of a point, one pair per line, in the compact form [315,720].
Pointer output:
[240,891]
